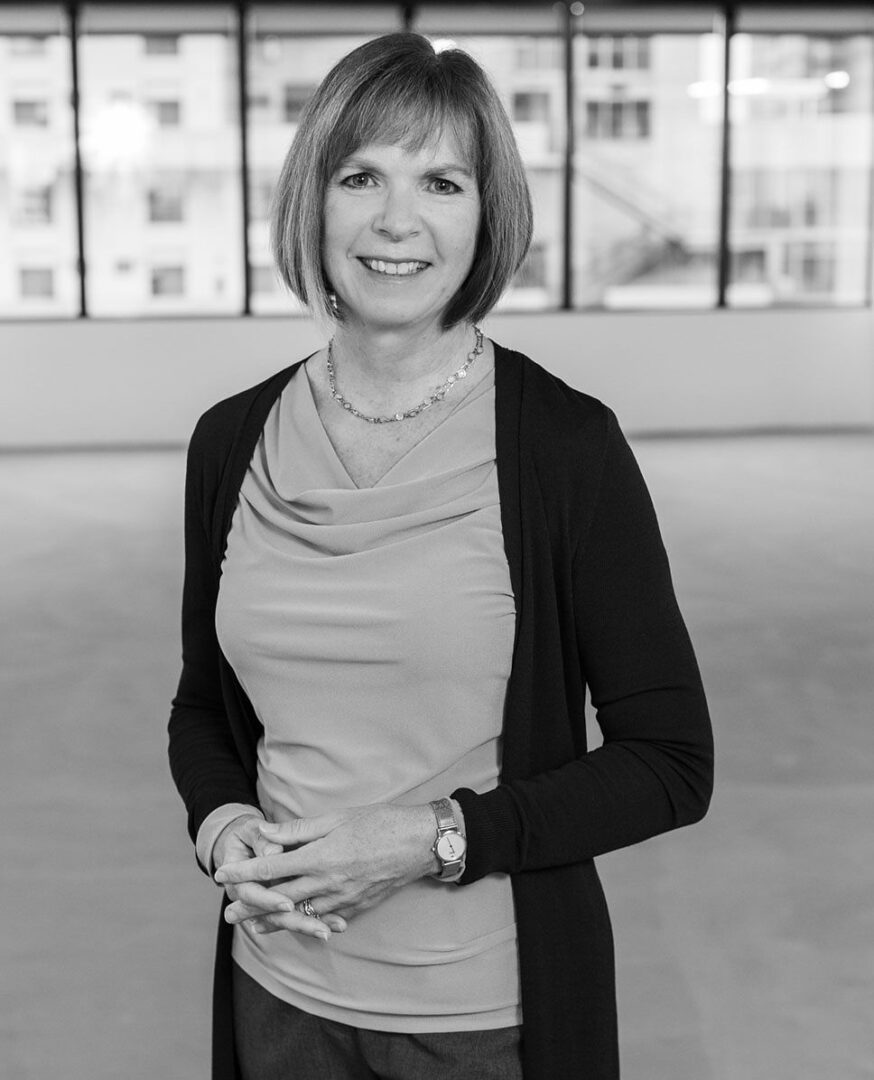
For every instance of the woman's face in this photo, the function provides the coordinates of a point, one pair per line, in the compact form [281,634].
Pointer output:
[400,232]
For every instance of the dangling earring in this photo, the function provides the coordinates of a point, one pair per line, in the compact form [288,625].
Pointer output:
[335,307]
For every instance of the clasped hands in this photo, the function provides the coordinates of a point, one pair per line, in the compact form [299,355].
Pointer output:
[344,862]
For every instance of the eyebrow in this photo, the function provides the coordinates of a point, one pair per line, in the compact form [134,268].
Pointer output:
[356,162]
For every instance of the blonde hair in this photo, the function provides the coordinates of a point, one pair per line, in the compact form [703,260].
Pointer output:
[397,90]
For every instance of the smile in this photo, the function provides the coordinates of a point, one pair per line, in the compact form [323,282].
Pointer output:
[394,269]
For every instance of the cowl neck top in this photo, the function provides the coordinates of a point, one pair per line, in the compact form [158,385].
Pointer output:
[372,629]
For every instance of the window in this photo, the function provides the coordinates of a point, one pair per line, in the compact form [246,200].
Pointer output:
[168,281]
[531,106]
[162,162]
[540,54]
[258,101]
[640,123]
[161,44]
[274,104]
[165,205]
[749,266]
[646,171]
[810,267]
[166,113]
[802,157]
[618,53]
[36,283]
[295,99]
[33,206]
[540,134]
[617,119]
[38,233]
[31,113]
[161,149]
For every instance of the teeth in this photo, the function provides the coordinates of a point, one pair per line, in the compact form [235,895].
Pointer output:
[400,269]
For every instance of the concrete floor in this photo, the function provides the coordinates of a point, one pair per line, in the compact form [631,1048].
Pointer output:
[745,945]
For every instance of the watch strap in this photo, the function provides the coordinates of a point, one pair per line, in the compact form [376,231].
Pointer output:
[445,816]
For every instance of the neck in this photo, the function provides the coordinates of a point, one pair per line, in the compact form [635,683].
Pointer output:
[388,363]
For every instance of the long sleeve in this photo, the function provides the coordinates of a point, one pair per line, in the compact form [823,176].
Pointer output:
[654,771]
[204,761]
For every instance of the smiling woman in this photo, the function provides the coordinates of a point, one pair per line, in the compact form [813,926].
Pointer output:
[406,556]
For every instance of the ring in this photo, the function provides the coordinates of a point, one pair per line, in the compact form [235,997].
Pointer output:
[306,906]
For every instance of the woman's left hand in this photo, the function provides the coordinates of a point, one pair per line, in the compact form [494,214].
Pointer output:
[344,862]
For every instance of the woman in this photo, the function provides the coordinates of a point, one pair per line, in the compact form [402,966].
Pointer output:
[406,557]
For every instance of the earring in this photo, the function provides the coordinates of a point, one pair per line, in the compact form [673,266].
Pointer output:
[335,307]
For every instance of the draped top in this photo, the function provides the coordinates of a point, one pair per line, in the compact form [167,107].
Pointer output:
[372,629]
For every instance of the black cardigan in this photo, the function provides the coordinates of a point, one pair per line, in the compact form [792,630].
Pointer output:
[595,605]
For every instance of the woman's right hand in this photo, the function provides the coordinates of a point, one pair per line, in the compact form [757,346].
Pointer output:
[242,839]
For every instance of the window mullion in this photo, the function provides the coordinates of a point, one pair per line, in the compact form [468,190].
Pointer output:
[78,177]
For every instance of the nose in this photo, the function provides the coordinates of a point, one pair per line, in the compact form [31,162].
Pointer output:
[397,217]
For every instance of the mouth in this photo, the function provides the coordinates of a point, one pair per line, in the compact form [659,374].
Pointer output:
[394,267]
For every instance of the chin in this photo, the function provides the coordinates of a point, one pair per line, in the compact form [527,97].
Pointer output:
[396,318]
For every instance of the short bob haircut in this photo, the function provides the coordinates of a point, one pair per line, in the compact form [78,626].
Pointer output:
[397,90]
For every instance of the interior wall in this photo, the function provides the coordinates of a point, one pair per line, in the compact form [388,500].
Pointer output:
[139,382]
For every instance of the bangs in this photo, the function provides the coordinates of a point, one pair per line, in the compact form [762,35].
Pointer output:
[406,113]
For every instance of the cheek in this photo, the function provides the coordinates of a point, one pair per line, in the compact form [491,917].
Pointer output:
[459,232]
[339,228]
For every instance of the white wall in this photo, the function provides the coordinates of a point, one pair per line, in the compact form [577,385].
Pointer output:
[69,383]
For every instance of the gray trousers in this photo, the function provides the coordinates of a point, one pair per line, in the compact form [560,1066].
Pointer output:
[276,1041]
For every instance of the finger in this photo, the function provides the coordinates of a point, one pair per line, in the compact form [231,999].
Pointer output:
[262,926]
[301,830]
[261,846]
[313,889]
[292,920]
[240,911]
[264,900]
[263,868]
[336,922]
[253,918]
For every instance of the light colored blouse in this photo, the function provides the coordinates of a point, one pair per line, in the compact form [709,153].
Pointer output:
[372,629]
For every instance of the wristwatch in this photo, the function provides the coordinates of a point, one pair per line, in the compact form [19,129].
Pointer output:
[450,847]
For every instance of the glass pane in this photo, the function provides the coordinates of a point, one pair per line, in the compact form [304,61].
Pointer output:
[528,73]
[801,167]
[161,152]
[284,71]
[646,170]
[290,49]
[38,275]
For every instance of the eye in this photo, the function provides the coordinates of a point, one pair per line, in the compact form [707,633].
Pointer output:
[357,181]
[442,186]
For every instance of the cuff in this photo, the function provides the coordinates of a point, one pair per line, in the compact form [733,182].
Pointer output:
[213,825]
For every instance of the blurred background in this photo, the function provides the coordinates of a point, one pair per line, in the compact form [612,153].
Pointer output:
[703,259]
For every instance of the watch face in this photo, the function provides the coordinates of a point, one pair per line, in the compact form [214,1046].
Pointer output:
[451,847]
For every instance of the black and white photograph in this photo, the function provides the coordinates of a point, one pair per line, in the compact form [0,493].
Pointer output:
[437,548]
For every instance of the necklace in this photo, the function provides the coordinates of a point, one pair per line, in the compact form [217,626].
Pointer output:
[438,394]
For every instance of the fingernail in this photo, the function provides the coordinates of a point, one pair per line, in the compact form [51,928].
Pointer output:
[323,935]
[268,826]
[221,877]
